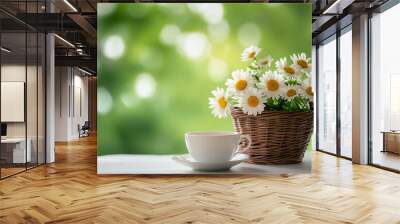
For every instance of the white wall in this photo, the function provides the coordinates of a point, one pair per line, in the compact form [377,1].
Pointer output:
[13,72]
[13,101]
[80,109]
[62,81]
[71,94]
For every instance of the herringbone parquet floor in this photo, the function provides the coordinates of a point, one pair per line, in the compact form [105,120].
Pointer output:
[69,191]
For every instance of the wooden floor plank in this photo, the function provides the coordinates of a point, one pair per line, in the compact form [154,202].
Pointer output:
[70,191]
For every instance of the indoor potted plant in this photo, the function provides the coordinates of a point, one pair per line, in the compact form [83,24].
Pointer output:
[273,103]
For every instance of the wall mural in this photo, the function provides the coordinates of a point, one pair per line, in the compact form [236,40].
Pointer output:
[158,63]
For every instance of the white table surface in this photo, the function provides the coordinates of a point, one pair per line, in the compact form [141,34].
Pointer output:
[164,164]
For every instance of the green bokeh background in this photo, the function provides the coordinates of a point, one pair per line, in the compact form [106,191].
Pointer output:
[156,125]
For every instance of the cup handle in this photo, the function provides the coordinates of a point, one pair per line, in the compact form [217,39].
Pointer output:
[248,138]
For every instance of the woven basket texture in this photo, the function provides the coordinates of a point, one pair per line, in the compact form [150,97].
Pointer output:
[277,137]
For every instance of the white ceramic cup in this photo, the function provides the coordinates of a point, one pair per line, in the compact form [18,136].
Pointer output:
[215,146]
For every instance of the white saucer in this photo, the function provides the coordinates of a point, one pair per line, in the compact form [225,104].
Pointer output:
[187,160]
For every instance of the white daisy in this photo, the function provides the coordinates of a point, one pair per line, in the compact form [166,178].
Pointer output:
[251,102]
[250,53]
[265,62]
[219,103]
[272,84]
[301,62]
[291,91]
[284,67]
[308,90]
[240,82]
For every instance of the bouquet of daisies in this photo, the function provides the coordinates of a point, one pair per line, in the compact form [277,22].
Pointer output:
[283,86]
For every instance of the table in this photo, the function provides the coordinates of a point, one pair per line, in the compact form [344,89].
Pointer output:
[17,153]
[391,141]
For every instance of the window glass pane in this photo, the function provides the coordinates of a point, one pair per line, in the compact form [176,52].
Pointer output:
[346,94]
[14,150]
[385,89]
[327,97]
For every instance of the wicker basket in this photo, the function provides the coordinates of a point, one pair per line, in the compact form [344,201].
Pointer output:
[277,137]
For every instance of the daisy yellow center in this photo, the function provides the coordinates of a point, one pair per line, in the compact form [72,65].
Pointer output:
[302,63]
[264,62]
[309,91]
[289,70]
[241,84]
[272,85]
[252,54]
[291,93]
[253,101]
[222,102]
